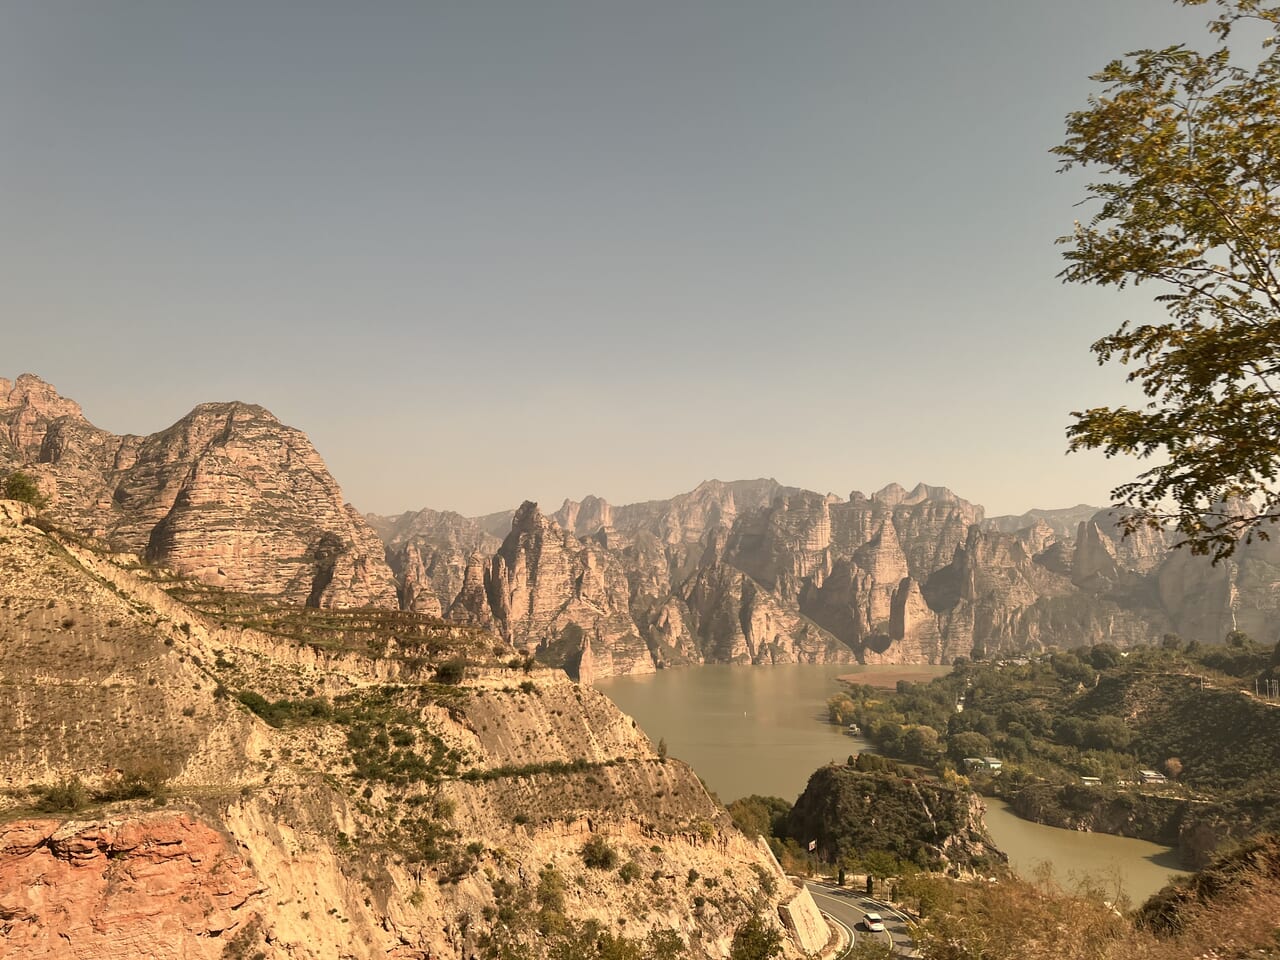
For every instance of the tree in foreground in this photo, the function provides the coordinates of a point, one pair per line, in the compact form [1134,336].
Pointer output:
[1188,148]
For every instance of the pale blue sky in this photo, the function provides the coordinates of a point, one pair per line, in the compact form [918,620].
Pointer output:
[484,251]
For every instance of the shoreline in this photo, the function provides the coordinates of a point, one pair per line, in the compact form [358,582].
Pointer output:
[887,675]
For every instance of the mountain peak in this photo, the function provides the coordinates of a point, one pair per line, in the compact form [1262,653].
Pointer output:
[232,409]
[27,407]
[39,396]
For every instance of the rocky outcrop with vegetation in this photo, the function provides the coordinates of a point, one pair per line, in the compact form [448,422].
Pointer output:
[190,771]
[227,494]
[849,809]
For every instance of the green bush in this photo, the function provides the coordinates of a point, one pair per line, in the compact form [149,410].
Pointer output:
[453,671]
[22,486]
[755,940]
[280,712]
[64,796]
[760,816]
[597,854]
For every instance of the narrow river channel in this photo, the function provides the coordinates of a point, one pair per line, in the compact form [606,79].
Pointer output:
[763,730]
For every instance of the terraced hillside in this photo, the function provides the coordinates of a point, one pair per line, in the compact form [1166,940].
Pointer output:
[190,772]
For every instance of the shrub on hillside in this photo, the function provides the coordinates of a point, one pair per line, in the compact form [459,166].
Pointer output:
[22,486]
[280,712]
[452,671]
[755,940]
[132,785]
[597,854]
[64,796]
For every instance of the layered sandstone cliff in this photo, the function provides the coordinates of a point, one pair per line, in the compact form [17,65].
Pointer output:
[227,494]
[429,552]
[754,572]
[743,571]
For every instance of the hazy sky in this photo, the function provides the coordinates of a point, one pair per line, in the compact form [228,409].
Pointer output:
[482,252]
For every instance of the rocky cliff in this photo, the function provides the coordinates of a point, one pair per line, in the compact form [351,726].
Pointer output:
[755,572]
[227,494]
[930,823]
[429,552]
[177,784]
[1062,521]
[743,572]
[548,588]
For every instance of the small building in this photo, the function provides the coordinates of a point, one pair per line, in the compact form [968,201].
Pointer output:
[981,763]
[1152,776]
[1091,781]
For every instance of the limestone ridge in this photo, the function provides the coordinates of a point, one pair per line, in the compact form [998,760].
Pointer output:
[754,572]
[1063,521]
[430,553]
[227,494]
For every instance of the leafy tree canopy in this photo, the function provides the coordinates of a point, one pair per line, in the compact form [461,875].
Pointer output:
[1187,145]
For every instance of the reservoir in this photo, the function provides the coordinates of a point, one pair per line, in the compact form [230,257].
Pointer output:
[1137,867]
[764,730]
[744,730]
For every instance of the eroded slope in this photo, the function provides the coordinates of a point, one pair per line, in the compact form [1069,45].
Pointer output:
[360,808]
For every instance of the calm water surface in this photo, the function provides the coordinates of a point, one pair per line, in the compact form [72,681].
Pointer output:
[744,730]
[1138,868]
[763,730]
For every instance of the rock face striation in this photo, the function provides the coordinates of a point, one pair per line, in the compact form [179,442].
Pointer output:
[755,572]
[731,572]
[227,494]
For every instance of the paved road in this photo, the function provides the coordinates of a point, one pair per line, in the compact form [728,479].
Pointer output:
[848,907]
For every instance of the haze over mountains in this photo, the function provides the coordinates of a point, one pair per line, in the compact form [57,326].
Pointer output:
[742,571]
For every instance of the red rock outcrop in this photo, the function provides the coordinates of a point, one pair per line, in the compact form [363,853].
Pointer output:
[165,887]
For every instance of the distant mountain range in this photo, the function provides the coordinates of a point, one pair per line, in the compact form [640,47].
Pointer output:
[742,571]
